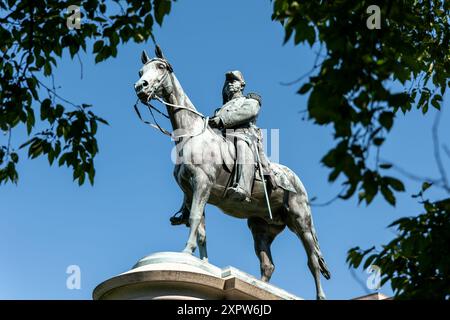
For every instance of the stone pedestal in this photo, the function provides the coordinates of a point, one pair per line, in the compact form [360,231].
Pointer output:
[180,276]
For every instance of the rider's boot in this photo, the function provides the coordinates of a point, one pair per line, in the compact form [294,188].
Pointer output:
[176,219]
[245,168]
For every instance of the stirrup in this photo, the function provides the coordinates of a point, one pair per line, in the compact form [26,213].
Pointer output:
[237,193]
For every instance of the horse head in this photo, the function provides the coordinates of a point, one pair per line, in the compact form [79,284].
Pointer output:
[152,75]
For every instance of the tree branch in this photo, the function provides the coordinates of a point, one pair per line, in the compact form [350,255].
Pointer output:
[437,151]
[359,281]
[8,149]
[81,66]
[327,203]
[441,182]
[57,95]
[307,73]
[412,176]
[447,150]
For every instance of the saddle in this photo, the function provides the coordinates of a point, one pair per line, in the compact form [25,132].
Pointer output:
[278,179]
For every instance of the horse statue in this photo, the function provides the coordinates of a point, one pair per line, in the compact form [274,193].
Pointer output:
[204,172]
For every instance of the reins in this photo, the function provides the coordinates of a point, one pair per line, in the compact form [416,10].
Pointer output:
[175,106]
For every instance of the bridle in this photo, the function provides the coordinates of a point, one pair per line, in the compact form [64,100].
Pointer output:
[153,90]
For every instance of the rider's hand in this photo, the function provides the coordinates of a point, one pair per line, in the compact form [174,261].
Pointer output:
[215,122]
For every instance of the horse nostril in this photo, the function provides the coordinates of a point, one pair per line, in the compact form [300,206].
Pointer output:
[145,83]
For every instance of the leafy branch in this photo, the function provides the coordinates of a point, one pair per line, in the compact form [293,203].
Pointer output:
[34,37]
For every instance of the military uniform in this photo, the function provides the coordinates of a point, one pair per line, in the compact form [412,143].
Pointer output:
[239,115]
[238,121]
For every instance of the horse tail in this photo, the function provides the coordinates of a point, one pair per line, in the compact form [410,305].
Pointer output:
[322,265]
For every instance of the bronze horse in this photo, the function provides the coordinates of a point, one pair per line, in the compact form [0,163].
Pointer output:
[203,175]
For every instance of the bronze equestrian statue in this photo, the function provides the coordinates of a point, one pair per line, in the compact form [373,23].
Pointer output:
[216,165]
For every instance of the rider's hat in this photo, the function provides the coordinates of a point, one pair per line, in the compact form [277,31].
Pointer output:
[234,75]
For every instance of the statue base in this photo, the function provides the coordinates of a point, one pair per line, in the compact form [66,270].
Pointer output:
[180,276]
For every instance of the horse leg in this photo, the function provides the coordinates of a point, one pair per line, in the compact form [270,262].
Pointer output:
[201,189]
[201,239]
[263,236]
[299,221]
[201,235]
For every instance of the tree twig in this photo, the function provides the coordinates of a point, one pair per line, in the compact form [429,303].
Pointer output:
[315,66]
[81,66]
[327,203]
[57,95]
[447,150]
[8,149]
[413,176]
[359,281]
[437,151]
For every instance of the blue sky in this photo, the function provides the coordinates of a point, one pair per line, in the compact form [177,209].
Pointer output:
[47,222]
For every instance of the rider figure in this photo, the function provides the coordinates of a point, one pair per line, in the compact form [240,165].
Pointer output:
[237,119]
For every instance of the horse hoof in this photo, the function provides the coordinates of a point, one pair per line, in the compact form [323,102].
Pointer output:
[322,297]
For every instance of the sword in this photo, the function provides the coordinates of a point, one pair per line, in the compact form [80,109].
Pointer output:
[263,180]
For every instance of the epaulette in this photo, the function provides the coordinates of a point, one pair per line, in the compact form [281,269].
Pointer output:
[255,96]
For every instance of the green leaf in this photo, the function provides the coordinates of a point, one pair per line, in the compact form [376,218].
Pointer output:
[51,156]
[36,149]
[426,185]
[59,111]
[399,222]
[14,157]
[388,195]
[47,69]
[310,35]
[369,260]
[102,120]
[305,88]
[398,99]
[32,84]
[436,101]
[11,172]
[395,183]
[98,45]
[93,125]
[385,166]
[81,178]
[386,119]
[28,142]
[162,8]
[91,174]
[64,159]
[378,141]
[46,109]
[30,120]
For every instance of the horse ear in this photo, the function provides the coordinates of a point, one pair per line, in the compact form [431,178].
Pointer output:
[158,52]
[144,57]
